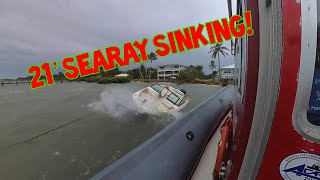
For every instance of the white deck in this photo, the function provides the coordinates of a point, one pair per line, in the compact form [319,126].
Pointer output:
[208,159]
[153,102]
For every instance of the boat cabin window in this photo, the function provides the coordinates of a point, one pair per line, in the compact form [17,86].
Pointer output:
[178,102]
[175,99]
[313,114]
[157,87]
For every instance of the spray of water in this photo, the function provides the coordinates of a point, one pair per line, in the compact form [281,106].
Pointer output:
[116,101]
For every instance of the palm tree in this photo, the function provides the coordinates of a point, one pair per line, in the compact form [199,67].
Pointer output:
[102,73]
[139,68]
[152,57]
[213,66]
[216,50]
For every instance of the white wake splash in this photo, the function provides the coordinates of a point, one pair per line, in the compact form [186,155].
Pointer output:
[117,102]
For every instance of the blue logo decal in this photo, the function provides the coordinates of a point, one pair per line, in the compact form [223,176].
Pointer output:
[301,165]
[307,171]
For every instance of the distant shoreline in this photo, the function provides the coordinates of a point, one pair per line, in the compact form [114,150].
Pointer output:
[168,82]
[58,81]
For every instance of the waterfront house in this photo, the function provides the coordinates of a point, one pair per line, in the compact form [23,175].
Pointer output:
[227,72]
[169,71]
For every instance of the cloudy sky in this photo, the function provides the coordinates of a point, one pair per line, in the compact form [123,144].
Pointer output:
[35,31]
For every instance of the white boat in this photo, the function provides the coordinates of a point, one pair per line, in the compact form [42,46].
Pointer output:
[161,98]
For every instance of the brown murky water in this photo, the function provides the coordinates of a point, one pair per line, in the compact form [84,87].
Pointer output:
[106,126]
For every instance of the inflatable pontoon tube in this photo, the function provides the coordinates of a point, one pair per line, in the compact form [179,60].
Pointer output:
[173,152]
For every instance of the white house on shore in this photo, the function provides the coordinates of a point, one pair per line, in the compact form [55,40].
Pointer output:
[227,72]
[169,71]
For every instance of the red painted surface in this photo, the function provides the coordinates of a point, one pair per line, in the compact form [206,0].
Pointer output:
[222,147]
[245,109]
[284,140]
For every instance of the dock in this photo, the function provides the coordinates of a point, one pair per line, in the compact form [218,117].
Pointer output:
[17,82]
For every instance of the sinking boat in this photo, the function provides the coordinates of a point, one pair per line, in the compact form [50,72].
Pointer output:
[161,98]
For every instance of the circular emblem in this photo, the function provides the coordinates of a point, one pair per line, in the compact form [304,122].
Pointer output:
[301,166]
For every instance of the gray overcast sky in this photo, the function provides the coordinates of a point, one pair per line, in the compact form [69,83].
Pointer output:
[32,32]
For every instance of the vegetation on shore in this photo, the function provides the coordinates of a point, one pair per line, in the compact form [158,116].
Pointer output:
[141,72]
[106,80]
[223,82]
[205,81]
[216,50]
[195,75]
[189,75]
[152,80]
[195,81]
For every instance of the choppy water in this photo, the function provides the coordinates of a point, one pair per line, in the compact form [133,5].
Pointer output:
[107,126]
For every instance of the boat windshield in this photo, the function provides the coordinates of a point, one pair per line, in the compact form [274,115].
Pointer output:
[157,87]
[174,99]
